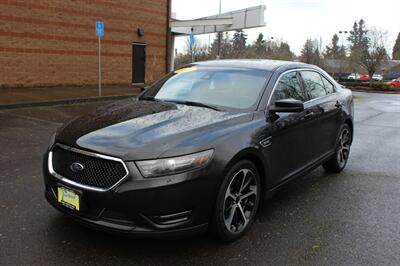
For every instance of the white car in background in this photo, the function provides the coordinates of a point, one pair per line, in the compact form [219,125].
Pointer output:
[377,77]
[354,76]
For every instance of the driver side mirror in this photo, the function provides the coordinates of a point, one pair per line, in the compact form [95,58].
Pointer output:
[142,89]
[287,106]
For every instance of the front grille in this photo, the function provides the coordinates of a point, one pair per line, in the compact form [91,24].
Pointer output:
[97,172]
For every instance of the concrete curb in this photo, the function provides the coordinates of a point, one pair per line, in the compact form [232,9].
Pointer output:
[64,102]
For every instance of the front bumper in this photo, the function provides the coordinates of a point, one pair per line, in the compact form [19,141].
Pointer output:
[155,207]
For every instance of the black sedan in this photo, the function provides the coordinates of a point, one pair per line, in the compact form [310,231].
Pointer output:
[199,148]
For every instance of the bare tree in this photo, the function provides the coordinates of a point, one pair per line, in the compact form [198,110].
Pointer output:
[374,54]
[200,53]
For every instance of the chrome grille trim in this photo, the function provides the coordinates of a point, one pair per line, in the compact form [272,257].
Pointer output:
[92,154]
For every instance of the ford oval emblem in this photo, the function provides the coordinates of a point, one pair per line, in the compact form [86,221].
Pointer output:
[76,167]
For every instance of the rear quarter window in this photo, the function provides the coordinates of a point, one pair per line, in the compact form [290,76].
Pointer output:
[328,85]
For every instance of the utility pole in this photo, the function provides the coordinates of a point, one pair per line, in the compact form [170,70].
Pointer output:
[219,35]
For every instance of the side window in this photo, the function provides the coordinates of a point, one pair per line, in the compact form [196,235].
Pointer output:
[313,84]
[328,86]
[288,87]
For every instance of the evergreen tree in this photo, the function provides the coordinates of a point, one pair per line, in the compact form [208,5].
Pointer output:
[260,45]
[282,52]
[213,48]
[226,46]
[239,42]
[358,38]
[310,53]
[396,49]
[307,53]
[334,51]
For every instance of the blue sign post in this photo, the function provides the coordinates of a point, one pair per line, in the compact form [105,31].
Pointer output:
[99,28]
[99,34]
[192,40]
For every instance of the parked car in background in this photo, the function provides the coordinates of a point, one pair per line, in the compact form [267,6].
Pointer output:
[395,82]
[354,76]
[377,77]
[365,77]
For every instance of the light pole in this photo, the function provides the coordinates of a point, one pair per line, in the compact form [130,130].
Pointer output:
[342,34]
[269,42]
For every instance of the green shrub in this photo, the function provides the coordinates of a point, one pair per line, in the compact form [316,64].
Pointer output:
[375,85]
[379,85]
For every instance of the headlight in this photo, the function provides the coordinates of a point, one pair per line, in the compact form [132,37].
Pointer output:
[151,168]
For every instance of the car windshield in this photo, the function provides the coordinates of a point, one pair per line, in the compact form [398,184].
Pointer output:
[226,88]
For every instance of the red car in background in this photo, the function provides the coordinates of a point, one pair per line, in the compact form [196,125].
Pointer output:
[365,77]
[395,82]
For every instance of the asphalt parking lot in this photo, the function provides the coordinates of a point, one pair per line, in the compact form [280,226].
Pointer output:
[351,218]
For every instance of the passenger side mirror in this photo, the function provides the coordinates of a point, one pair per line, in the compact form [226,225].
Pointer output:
[287,106]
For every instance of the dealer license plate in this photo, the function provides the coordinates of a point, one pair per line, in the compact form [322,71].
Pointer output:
[68,198]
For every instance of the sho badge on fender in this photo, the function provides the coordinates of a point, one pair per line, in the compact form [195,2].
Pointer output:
[265,142]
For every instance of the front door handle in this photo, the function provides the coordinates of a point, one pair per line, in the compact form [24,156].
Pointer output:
[338,104]
[308,115]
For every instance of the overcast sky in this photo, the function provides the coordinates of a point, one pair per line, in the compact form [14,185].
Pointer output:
[296,20]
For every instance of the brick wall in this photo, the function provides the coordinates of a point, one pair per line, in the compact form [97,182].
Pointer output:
[53,42]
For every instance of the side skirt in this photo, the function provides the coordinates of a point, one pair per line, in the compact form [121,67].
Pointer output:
[304,171]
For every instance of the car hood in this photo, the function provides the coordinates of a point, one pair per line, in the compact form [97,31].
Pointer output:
[133,129]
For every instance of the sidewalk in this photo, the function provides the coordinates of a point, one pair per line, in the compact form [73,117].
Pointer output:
[11,96]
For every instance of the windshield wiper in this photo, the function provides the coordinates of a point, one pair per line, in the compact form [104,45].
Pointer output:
[152,98]
[149,98]
[196,104]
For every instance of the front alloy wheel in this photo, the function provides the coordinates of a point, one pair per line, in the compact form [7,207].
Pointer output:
[240,199]
[237,201]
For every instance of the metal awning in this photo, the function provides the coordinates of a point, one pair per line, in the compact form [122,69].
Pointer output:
[235,20]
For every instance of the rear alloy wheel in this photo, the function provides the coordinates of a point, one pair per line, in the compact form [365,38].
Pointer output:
[237,202]
[342,152]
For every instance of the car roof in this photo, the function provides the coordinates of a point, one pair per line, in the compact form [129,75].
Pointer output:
[260,64]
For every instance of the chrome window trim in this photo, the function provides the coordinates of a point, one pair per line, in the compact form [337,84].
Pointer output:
[298,70]
[334,87]
[92,154]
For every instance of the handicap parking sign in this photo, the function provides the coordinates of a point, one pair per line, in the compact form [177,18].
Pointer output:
[99,28]
[192,39]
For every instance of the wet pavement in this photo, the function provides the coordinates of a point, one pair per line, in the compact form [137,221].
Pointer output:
[10,96]
[351,218]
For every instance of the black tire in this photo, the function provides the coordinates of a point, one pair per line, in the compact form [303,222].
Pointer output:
[236,207]
[342,151]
